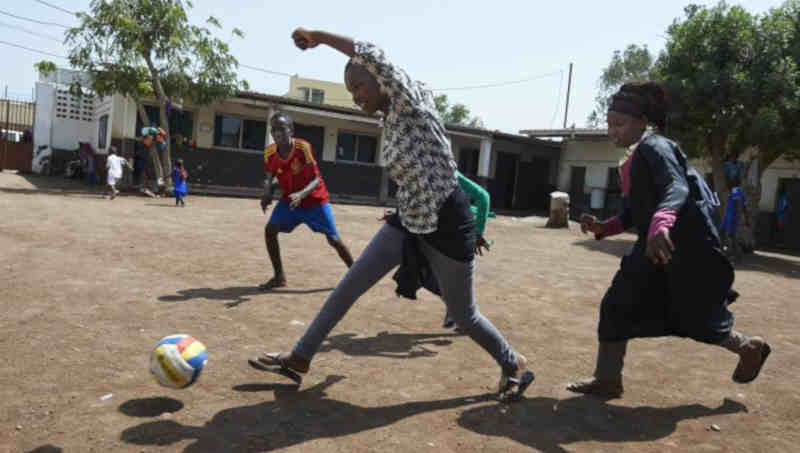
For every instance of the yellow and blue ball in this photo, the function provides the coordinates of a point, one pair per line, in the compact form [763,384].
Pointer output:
[177,360]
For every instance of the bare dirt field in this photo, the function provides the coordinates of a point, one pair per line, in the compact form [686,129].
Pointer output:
[89,285]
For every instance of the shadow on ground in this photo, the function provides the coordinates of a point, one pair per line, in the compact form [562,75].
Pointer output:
[778,262]
[385,344]
[150,407]
[235,295]
[46,449]
[773,263]
[615,247]
[547,424]
[294,418]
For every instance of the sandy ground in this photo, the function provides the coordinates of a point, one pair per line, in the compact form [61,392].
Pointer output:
[89,285]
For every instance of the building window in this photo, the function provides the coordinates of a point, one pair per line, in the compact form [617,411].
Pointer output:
[313,95]
[356,148]
[253,134]
[233,132]
[227,131]
[304,93]
[102,132]
[317,96]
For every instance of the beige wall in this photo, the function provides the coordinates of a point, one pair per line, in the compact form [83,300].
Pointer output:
[596,154]
[204,122]
[335,93]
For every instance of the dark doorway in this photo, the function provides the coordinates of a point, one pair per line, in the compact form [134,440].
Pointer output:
[505,180]
[533,185]
[577,197]
[613,204]
[792,229]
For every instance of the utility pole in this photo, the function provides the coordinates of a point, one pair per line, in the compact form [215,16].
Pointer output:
[569,87]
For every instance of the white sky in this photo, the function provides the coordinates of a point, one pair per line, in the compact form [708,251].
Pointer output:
[444,43]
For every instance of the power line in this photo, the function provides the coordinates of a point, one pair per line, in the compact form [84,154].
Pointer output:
[265,70]
[33,20]
[32,50]
[499,84]
[55,7]
[3,24]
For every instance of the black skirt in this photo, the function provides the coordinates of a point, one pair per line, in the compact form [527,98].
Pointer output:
[687,297]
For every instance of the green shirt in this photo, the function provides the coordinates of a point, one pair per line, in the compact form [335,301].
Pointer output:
[479,201]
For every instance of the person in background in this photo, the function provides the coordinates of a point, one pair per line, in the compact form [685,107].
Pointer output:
[179,177]
[114,166]
[730,222]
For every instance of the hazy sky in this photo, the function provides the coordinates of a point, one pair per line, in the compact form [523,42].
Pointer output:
[443,43]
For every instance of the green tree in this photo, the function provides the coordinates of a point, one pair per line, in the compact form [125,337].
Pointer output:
[147,49]
[457,114]
[732,79]
[634,63]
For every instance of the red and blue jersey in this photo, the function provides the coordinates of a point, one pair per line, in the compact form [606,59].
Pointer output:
[296,171]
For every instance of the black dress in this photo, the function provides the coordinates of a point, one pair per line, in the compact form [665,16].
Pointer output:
[687,297]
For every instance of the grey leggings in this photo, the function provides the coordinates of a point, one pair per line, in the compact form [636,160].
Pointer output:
[383,254]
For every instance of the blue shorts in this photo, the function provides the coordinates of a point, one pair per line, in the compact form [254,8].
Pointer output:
[319,218]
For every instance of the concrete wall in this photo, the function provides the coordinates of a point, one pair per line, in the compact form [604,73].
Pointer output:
[597,155]
[43,124]
[73,120]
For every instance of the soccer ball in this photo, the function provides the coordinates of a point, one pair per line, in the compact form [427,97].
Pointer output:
[177,360]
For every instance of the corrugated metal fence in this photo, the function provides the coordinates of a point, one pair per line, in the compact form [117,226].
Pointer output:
[16,131]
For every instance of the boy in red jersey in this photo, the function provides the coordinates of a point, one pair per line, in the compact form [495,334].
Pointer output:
[304,196]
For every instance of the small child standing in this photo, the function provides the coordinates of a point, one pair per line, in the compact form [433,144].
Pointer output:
[179,176]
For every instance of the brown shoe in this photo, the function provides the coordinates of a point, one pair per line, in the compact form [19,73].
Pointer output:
[597,387]
[752,356]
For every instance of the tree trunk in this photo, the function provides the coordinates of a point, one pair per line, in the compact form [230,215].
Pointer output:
[155,161]
[716,147]
[751,185]
[166,160]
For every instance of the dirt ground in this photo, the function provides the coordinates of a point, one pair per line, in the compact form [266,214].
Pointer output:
[89,285]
